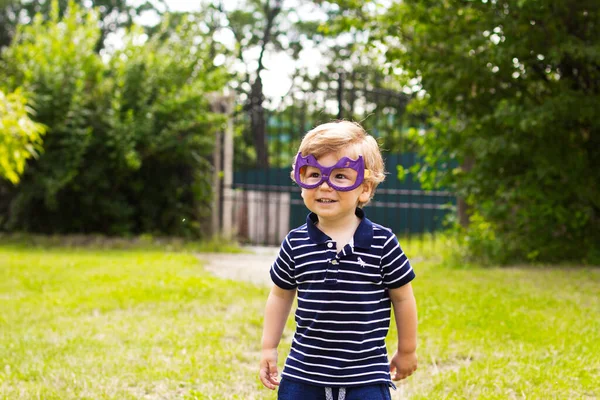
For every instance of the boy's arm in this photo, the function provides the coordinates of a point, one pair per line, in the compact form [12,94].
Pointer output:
[404,361]
[277,310]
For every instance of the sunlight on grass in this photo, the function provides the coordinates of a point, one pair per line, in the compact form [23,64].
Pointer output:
[506,333]
[81,324]
[116,324]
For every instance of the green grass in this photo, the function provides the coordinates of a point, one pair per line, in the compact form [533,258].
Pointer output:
[142,323]
[89,324]
[508,333]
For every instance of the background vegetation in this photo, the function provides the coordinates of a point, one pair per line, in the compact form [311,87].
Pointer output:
[511,89]
[127,140]
[501,95]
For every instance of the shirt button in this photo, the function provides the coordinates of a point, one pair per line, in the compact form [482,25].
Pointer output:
[330,245]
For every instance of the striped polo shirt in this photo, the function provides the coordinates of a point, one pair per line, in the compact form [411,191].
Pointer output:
[344,308]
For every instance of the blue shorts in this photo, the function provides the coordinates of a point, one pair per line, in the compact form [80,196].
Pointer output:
[294,390]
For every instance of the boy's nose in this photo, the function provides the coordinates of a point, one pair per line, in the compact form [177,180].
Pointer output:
[325,185]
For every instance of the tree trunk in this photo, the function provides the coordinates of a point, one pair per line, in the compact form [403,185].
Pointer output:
[258,123]
[462,206]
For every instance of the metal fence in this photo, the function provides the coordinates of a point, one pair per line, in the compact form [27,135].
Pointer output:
[261,201]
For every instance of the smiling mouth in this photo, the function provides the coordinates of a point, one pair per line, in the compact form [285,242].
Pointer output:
[326,201]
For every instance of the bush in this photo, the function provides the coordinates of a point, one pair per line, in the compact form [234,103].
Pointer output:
[128,139]
[20,137]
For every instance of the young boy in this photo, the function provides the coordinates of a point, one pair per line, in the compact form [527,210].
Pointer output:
[347,272]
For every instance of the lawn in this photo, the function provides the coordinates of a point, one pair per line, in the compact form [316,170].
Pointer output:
[148,324]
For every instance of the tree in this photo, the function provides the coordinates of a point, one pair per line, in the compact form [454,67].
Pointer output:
[260,28]
[512,90]
[8,21]
[20,137]
[255,26]
[62,85]
[113,14]
[128,139]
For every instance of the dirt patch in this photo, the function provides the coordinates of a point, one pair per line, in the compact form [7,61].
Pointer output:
[251,266]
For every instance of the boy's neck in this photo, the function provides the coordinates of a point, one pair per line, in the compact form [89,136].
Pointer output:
[340,230]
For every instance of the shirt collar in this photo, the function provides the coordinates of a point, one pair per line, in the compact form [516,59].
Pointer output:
[363,237]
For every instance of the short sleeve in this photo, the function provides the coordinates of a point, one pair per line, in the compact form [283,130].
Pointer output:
[282,270]
[396,268]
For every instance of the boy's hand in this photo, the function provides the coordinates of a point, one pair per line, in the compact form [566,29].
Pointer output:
[268,368]
[403,365]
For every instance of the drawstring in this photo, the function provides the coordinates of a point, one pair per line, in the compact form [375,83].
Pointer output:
[329,394]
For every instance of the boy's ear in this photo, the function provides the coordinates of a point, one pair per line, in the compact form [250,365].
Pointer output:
[366,193]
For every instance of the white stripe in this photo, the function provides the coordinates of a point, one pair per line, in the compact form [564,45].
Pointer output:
[390,252]
[330,367]
[395,280]
[286,253]
[342,312]
[282,270]
[400,267]
[359,273]
[326,321]
[391,262]
[385,381]
[337,358]
[361,282]
[338,376]
[312,281]
[387,241]
[344,281]
[357,263]
[295,239]
[310,328]
[378,339]
[377,227]
[379,237]
[368,255]
[305,245]
[377,247]
[341,291]
[314,252]
[280,258]
[372,349]
[288,282]
[344,302]
[310,262]
[311,272]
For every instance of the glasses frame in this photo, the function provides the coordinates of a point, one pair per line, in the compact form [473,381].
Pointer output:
[358,165]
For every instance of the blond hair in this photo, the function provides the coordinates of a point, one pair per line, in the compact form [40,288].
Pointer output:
[333,137]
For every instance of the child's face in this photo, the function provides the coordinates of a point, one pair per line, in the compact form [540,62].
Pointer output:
[331,204]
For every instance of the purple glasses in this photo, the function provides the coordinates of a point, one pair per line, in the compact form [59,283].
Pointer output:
[345,175]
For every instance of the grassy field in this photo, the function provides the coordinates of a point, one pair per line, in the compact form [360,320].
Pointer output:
[145,324]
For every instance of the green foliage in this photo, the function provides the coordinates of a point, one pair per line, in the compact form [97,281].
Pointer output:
[7,21]
[113,14]
[401,173]
[511,90]
[56,65]
[128,139]
[20,137]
